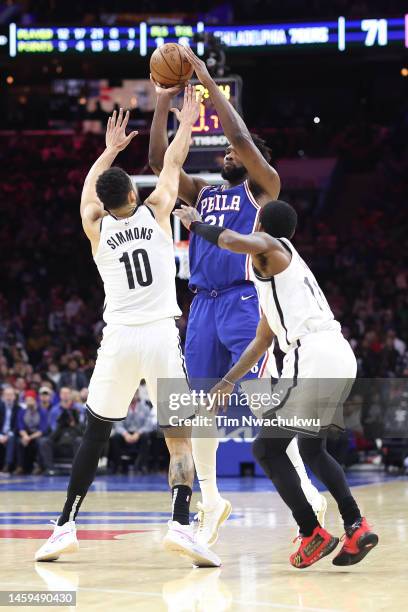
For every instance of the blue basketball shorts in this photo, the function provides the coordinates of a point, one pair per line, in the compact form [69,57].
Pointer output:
[221,325]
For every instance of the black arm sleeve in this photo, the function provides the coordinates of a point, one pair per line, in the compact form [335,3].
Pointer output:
[208,232]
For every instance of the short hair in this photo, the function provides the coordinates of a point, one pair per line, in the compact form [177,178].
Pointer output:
[278,219]
[113,187]
[261,145]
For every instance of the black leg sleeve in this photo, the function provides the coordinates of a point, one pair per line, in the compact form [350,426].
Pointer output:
[331,474]
[270,453]
[85,465]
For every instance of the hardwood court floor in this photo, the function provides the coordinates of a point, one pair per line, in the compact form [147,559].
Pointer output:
[121,565]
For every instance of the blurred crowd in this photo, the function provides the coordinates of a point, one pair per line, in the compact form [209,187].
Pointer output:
[51,296]
[41,430]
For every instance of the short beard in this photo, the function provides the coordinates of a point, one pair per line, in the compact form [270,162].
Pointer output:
[235,173]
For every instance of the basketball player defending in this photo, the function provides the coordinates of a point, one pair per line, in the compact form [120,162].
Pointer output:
[132,247]
[297,313]
[225,311]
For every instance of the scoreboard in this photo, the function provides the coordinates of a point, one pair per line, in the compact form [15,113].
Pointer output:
[207,133]
[141,39]
[340,34]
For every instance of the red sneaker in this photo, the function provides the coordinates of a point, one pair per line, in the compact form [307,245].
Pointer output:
[313,548]
[358,541]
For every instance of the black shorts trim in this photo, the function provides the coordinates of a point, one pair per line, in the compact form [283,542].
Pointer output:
[279,309]
[149,209]
[292,386]
[97,416]
[183,362]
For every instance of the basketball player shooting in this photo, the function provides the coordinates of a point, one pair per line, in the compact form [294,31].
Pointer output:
[225,311]
[297,313]
[132,247]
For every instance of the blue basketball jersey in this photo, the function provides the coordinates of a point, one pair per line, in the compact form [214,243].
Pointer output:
[235,209]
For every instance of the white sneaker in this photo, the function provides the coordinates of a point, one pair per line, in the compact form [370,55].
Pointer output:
[180,539]
[63,540]
[210,521]
[321,511]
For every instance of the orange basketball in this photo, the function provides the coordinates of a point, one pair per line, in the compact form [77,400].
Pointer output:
[169,65]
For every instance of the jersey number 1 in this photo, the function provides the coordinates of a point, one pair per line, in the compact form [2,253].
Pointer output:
[142,268]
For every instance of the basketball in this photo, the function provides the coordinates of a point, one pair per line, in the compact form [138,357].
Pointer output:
[169,65]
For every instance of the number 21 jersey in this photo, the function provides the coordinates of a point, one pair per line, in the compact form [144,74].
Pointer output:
[135,259]
[293,303]
[236,209]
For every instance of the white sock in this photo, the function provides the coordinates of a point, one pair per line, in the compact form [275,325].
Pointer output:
[205,459]
[311,493]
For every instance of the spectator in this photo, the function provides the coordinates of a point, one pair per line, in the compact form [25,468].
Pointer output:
[53,374]
[62,443]
[131,436]
[82,403]
[31,425]
[73,377]
[73,307]
[65,403]
[45,395]
[9,409]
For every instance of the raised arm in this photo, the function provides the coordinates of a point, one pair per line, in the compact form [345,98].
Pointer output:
[189,186]
[164,196]
[266,250]
[91,208]
[252,244]
[260,172]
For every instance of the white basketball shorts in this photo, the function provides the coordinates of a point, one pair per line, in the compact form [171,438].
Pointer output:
[129,353]
[317,376]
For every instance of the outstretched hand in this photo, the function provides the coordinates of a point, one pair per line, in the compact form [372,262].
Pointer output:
[187,214]
[170,92]
[116,138]
[191,106]
[222,393]
[199,66]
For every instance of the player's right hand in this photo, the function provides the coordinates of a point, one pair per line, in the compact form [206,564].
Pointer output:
[191,106]
[222,393]
[116,138]
[170,92]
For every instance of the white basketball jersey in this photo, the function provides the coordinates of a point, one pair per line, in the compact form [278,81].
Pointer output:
[135,259]
[293,302]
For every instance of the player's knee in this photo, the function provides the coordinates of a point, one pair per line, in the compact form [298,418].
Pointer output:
[310,449]
[97,430]
[265,450]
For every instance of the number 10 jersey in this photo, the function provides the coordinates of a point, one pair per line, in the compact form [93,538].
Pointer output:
[135,259]
[293,303]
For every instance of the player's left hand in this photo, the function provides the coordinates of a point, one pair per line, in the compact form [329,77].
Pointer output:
[222,392]
[199,66]
[116,138]
[187,214]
